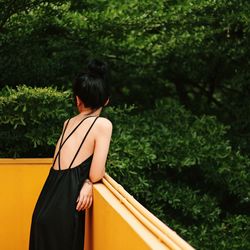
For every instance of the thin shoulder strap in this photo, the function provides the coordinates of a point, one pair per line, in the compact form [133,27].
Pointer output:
[82,142]
[60,146]
[58,152]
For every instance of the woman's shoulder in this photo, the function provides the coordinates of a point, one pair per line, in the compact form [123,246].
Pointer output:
[104,123]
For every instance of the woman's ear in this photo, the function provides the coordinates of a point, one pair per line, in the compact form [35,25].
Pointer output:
[78,101]
[106,103]
[79,104]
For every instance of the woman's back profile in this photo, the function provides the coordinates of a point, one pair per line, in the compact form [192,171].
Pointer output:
[80,157]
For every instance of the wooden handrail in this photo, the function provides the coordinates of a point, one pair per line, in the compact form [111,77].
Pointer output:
[163,232]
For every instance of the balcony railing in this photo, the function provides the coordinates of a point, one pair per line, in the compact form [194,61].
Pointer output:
[115,221]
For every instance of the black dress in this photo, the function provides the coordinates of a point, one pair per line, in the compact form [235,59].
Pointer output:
[56,224]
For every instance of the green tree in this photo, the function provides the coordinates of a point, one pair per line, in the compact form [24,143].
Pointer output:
[195,51]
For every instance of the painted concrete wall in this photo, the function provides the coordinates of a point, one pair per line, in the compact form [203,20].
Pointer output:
[114,221]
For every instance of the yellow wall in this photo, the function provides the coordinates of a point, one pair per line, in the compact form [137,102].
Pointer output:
[20,184]
[115,227]
[115,220]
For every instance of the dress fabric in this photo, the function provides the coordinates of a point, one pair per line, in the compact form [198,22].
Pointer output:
[56,224]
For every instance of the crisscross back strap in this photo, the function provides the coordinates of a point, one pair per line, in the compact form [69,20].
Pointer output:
[62,143]
[82,142]
[59,151]
[60,146]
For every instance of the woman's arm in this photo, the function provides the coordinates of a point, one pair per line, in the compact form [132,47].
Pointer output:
[102,142]
[97,169]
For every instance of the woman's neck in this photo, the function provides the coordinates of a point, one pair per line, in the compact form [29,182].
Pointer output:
[88,111]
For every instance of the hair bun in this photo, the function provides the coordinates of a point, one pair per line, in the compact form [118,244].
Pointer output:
[97,68]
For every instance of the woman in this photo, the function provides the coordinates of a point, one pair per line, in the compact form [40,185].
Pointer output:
[80,157]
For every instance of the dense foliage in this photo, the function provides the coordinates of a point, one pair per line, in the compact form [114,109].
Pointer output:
[29,125]
[185,172]
[196,51]
[180,166]
[190,52]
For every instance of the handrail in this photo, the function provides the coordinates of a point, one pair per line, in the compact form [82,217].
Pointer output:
[158,228]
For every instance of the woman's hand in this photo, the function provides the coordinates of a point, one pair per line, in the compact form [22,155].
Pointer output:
[85,199]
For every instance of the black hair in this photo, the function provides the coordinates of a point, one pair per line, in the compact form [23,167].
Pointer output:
[91,86]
